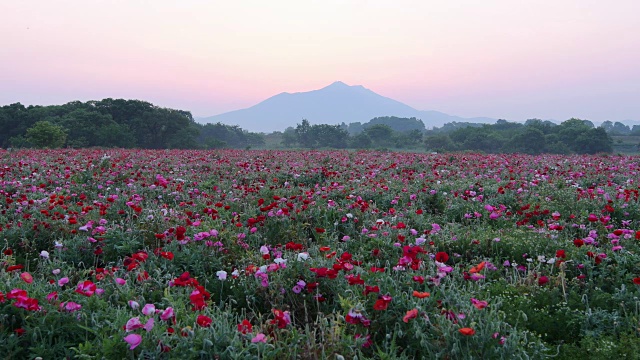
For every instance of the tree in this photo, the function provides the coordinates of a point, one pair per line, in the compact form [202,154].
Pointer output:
[361,141]
[303,133]
[118,135]
[184,138]
[594,141]
[408,139]
[379,134]
[547,127]
[83,127]
[440,142]
[530,141]
[289,138]
[325,135]
[607,126]
[355,128]
[396,123]
[620,129]
[44,134]
[570,130]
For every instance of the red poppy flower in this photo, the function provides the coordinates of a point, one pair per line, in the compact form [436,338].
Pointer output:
[86,288]
[636,281]
[204,321]
[467,331]
[477,268]
[14,267]
[167,255]
[245,327]
[411,314]
[382,303]
[26,277]
[421,295]
[197,300]
[442,257]
[369,289]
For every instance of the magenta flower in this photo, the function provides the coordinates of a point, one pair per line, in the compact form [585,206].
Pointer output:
[134,304]
[167,314]
[149,309]
[133,323]
[86,288]
[70,306]
[149,324]
[479,304]
[133,340]
[259,338]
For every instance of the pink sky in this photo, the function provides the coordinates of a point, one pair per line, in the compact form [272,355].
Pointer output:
[502,59]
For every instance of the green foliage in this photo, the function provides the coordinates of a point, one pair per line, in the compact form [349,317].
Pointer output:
[44,134]
[218,135]
[396,123]
[534,137]
[115,123]
[322,135]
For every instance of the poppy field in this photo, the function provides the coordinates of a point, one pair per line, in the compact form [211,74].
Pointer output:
[240,254]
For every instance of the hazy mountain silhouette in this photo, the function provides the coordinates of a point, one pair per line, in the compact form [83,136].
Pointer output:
[333,104]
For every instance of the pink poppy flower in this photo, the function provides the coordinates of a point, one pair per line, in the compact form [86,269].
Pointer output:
[149,309]
[133,340]
[259,338]
[167,314]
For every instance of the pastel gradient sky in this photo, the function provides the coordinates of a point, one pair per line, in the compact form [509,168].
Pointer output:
[509,59]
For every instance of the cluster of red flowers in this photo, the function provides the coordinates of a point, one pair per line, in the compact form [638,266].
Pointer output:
[21,300]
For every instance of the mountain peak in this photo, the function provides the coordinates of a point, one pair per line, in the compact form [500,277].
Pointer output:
[333,104]
[341,85]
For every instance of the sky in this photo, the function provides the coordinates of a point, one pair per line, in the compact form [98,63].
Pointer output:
[548,59]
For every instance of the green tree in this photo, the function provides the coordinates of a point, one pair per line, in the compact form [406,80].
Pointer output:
[360,141]
[620,129]
[594,141]
[289,138]
[118,135]
[440,142]
[569,131]
[408,139]
[44,134]
[324,135]
[303,133]
[82,126]
[396,123]
[380,135]
[547,127]
[529,141]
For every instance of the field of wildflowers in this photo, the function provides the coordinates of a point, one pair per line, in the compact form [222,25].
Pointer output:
[229,254]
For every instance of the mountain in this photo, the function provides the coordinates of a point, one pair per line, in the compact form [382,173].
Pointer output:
[333,105]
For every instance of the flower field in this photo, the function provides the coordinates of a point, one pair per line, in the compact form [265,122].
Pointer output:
[230,254]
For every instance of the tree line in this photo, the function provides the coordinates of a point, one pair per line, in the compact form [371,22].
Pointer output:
[139,124]
[115,123]
[573,136]
[533,137]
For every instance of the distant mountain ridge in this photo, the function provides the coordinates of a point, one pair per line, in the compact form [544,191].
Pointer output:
[333,105]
